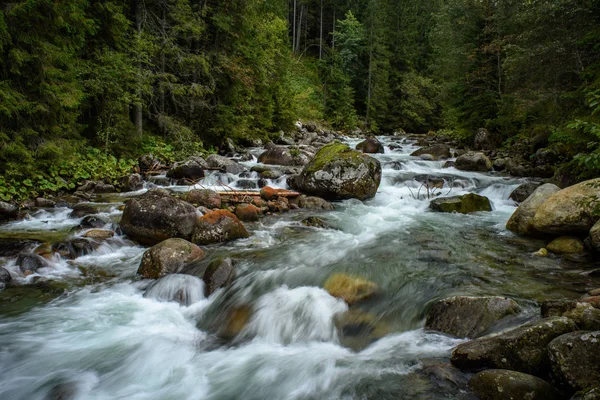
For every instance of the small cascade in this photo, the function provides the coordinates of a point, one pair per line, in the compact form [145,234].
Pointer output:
[184,289]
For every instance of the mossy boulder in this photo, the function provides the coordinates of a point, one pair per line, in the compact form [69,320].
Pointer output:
[203,198]
[338,172]
[575,360]
[351,289]
[466,316]
[569,211]
[168,257]
[595,236]
[156,216]
[370,146]
[99,234]
[521,221]
[437,151]
[464,204]
[218,274]
[524,349]
[477,162]
[566,245]
[218,226]
[500,384]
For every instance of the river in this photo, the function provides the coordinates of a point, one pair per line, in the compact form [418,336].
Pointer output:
[93,327]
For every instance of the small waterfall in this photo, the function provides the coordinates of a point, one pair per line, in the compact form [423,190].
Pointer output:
[184,289]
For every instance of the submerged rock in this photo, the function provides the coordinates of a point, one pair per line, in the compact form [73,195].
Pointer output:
[370,146]
[315,222]
[203,198]
[464,204]
[313,203]
[29,263]
[100,234]
[82,210]
[437,151]
[473,162]
[218,226]
[219,273]
[521,221]
[5,276]
[156,216]
[184,289]
[500,384]
[74,248]
[92,221]
[62,391]
[465,316]
[575,360]
[351,289]
[566,245]
[337,172]
[523,349]
[570,211]
[168,257]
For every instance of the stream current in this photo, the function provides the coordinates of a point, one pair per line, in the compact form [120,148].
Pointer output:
[92,327]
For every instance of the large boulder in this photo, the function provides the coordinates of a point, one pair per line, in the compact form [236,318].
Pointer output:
[595,236]
[570,211]
[523,191]
[203,198]
[218,226]
[277,155]
[218,274]
[575,360]
[193,169]
[224,164]
[478,162]
[8,211]
[465,316]
[351,289]
[168,257]
[156,216]
[521,221]
[437,151]
[523,349]
[338,172]
[465,204]
[501,384]
[370,146]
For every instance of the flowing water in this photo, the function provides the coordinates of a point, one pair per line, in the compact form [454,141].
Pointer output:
[93,328]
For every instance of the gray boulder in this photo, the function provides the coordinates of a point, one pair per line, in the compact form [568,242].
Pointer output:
[370,146]
[500,384]
[225,164]
[575,360]
[168,257]
[218,274]
[521,221]
[478,162]
[193,169]
[521,193]
[277,155]
[437,151]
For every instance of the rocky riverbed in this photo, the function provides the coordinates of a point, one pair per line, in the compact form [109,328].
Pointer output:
[303,270]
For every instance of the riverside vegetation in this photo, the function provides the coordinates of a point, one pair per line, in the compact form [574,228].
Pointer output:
[168,227]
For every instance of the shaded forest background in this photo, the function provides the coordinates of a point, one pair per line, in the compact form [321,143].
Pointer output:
[88,85]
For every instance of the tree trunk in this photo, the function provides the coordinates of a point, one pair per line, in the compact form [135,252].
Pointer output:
[139,121]
[294,29]
[299,28]
[321,33]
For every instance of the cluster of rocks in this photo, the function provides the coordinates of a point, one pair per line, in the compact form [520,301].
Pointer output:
[568,217]
[554,357]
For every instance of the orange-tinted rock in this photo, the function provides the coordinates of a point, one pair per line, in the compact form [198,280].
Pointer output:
[247,212]
[218,226]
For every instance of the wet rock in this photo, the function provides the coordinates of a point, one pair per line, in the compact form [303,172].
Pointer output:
[5,276]
[595,236]
[29,263]
[464,204]
[156,216]
[575,360]
[247,212]
[183,289]
[246,184]
[521,193]
[131,183]
[337,172]
[585,315]
[427,157]
[203,198]
[225,164]
[12,247]
[192,169]
[500,384]
[8,211]
[168,257]
[315,222]
[62,391]
[570,211]
[521,221]
[314,203]
[556,308]
[271,174]
[218,226]
[566,245]
[92,221]
[100,234]
[235,321]
[358,329]
[437,151]
[351,289]
[279,205]
[473,162]
[82,210]
[219,273]
[449,164]
[74,248]
[524,349]
[370,146]
[283,156]
[44,203]
[268,193]
[465,316]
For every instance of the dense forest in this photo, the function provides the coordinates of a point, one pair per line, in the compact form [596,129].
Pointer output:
[88,85]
